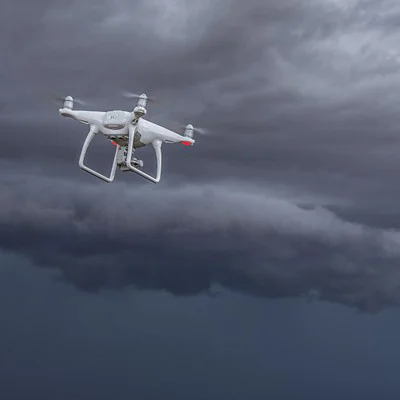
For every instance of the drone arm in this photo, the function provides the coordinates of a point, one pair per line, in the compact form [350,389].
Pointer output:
[157,148]
[92,132]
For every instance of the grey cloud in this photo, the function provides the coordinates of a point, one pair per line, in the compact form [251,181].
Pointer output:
[284,87]
[188,239]
[301,95]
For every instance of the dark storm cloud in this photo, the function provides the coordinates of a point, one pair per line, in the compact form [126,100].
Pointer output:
[288,88]
[187,239]
[303,95]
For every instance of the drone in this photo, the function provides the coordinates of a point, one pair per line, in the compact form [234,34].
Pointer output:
[128,131]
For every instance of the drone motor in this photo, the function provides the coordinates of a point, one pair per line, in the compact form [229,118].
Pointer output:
[188,134]
[189,131]
[140,109]
[69,103]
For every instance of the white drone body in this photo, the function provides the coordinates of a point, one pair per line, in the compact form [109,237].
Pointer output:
[128,131]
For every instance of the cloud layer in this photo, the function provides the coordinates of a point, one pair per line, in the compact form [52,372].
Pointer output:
[188,239]
[297,189]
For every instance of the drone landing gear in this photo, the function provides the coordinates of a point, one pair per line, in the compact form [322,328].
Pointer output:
[82,165]
[157,148]
[123,158]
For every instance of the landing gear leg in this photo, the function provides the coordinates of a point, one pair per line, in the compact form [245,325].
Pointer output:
[89,138]
[157,148]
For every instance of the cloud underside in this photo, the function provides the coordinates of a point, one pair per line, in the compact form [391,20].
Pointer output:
[186,240]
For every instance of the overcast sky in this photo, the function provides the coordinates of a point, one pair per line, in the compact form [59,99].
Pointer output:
[295,194]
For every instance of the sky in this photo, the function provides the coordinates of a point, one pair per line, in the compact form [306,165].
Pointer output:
[265,262]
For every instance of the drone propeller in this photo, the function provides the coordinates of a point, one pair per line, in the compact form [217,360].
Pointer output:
[202,131]
[59,100]
[130,95]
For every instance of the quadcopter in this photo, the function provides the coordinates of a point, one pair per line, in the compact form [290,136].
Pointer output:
[128,131]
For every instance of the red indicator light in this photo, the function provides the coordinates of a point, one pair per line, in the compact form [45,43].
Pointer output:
[186,143]
[115,144]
